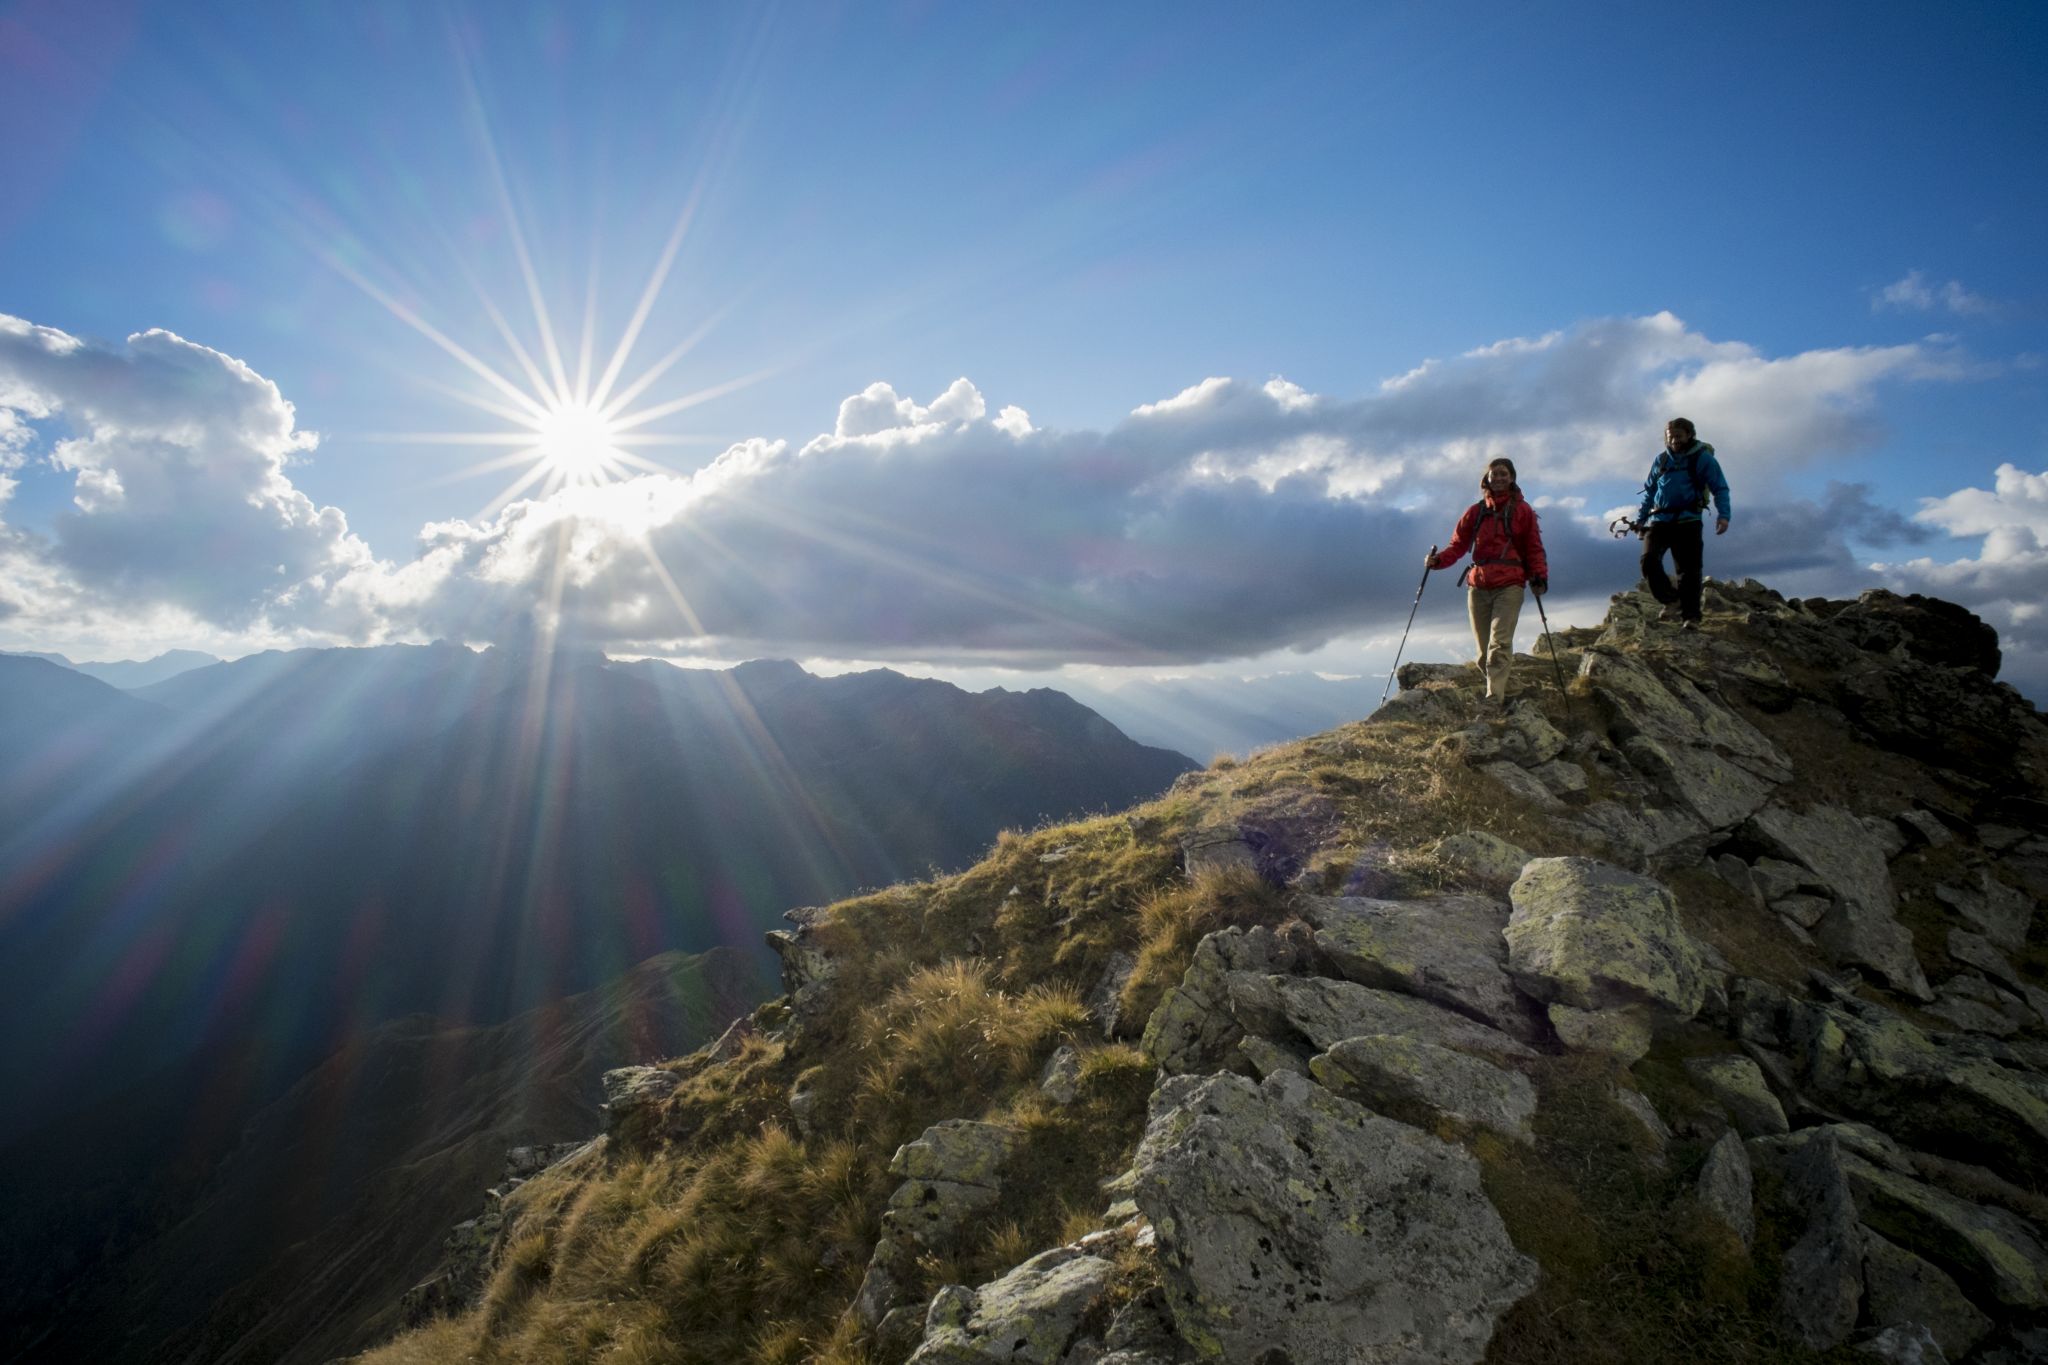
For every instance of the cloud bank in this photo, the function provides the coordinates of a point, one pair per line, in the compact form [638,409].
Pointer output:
[178,456]
[1231,519]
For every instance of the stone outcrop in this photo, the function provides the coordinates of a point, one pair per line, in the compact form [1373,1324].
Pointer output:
[1193,1027]
[1905,1290]
[1324,1013]
[1593,937]
[1860,927]
[1028,1317]
[1482,856]
[1445,949]
[950,1173]
[1292,1219]
[1858,1114]
[1393,1075]
[1727,1189]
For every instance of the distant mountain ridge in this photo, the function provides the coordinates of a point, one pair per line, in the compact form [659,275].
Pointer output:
[212,882]
[132,673]
[1205,716]
[473,833]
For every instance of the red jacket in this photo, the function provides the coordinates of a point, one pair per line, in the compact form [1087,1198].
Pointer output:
[1506,543]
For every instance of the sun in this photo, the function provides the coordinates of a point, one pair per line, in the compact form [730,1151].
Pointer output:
[577,442]
[573,422]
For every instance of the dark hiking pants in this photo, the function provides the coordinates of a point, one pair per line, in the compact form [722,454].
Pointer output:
[1685,541]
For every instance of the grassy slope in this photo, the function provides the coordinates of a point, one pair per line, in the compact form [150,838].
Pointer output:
[725,1237]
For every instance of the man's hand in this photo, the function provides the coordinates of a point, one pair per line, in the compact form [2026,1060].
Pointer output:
[1429,560]
[1539,586]
[1721,527]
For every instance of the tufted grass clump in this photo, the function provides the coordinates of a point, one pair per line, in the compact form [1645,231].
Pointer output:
[947,1041]
[1171,921]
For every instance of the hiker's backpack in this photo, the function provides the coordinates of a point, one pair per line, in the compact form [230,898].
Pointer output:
[1700,494]
[1505,519]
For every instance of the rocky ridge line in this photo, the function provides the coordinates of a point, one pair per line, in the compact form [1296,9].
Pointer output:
[1821,990]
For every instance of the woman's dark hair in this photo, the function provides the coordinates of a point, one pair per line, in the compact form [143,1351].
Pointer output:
[1502,460]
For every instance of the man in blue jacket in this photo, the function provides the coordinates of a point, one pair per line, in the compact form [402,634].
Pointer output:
[1682,477]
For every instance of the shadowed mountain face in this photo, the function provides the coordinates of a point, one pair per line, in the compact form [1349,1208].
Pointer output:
[259,853]
[337,1195]
[209,884]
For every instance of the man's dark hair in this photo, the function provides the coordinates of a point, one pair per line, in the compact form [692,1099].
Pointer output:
[1685,425]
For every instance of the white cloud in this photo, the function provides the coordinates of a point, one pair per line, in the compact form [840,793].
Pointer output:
[178,455]
[877,410]
[1232,519]
[1914,292]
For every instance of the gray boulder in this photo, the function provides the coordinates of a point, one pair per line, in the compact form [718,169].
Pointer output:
[1638,1106]
[1778,879]
[1727,1189]
[1401,1077]
[1028,1317]
[1902,1289]
[1217,848]
[1486,857]
[1924,827]
[1446,949]
[1638,834]
[1803,910]
[1522,785]
[1565,779]
[1992,908]
[1906,1344]
[1986,1247]
[1590,935]
[1973,1005]
[1291,1219]
[1060,1078]
[808,967]
[1737,1085]
[1529,738]
[1105,997]
[952,1172]
[1326,1012]
[1193,1028]
[1624,1034]
[1821,1284]
[633,1096]
[1862,925]
[1862,1058]
[1696,751]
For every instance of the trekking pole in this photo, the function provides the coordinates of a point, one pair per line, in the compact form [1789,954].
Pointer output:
[1544,616]
[1405,629]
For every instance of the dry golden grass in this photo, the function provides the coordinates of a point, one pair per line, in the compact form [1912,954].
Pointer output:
[729,1237]
[1171,921]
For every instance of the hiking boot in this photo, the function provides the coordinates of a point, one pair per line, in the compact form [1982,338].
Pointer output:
[1670,614]
[1691,624]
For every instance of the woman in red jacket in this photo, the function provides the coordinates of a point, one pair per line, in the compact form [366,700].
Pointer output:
[1507,553]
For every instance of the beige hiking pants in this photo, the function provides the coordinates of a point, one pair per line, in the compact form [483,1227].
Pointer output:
[1494,613]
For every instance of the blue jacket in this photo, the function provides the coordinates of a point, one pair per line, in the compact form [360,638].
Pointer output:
[1669,494]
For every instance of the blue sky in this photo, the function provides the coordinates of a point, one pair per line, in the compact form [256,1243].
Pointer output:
[1818,226]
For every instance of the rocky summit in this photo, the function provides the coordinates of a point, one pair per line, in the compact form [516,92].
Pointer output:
[1694,1011]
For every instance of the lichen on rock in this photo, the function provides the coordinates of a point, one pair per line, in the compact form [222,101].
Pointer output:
[1291,1218]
